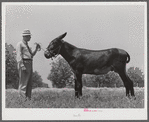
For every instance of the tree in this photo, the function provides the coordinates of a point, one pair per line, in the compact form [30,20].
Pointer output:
[11,66]
[89,80]
[115,80]
[100,80]
[137,76]
[36,80]
[61,74]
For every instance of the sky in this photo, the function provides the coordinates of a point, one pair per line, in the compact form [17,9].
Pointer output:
[94,27]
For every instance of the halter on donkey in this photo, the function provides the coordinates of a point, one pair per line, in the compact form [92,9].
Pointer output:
[83,61]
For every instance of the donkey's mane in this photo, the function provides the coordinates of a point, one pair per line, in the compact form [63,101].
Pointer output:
[70,45]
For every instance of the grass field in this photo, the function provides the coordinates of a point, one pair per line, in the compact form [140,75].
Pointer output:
[65,98]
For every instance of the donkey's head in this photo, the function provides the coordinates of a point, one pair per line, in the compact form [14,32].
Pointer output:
[54,47]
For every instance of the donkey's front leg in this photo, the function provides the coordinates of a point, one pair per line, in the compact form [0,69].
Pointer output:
[80,88]
[78,84]
[76,88]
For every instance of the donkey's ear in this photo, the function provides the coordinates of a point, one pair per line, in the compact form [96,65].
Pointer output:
[62,36]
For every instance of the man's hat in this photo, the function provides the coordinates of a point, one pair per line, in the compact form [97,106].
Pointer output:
[26,32]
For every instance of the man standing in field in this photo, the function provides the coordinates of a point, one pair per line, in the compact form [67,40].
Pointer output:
[24,64]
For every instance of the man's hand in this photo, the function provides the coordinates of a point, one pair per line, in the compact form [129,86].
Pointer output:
[38,47]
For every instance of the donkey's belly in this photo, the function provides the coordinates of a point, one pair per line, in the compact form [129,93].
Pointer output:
[98,71]
[104,70]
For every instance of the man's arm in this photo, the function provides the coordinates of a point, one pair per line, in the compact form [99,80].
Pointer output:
[35,51]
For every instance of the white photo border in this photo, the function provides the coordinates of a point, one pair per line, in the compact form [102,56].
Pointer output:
[72,114]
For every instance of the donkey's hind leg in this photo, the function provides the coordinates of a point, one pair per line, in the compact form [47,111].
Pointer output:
[120,69]
[131,87]
[127,83]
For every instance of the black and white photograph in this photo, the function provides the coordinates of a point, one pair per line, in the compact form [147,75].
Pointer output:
[74,61]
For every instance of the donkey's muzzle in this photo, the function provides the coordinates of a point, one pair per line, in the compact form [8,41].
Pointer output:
[47,54]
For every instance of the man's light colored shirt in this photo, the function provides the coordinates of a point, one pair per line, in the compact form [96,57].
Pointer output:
[22,53]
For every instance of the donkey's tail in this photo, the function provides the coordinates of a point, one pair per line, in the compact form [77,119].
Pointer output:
[128,58]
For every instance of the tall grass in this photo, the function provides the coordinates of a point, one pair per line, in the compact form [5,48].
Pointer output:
[65,98]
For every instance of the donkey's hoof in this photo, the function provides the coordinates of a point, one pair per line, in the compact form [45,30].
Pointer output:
[128,96]
[133,97]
